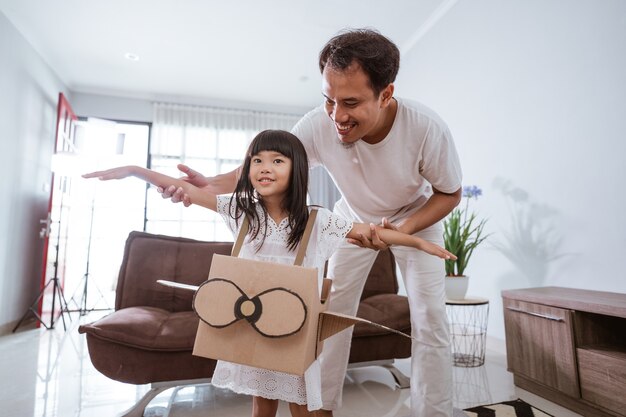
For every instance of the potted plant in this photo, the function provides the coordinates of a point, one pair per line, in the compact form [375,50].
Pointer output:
[462,233]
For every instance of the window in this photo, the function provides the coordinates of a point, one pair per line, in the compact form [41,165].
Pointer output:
[99,215]
[210,140]
[209,151]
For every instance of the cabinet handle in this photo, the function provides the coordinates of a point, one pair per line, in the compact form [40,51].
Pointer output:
[543,316]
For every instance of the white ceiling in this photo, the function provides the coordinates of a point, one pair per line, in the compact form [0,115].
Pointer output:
[255,51]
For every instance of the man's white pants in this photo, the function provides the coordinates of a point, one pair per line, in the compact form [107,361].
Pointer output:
[431,364]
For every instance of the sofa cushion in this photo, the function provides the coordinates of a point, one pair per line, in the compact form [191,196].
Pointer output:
[147,328]
[390,310]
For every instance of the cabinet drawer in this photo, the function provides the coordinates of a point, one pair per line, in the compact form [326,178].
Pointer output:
[603,378]
[540,345]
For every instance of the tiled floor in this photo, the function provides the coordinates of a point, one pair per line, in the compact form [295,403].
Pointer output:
[47,373]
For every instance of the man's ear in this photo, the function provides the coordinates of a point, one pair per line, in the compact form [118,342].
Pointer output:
[386,95]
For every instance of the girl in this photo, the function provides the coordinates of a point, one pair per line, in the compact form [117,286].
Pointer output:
[271,192]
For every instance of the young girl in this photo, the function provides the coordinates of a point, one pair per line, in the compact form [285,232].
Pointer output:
[271,192]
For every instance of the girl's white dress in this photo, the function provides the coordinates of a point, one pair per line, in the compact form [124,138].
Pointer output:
[328,233]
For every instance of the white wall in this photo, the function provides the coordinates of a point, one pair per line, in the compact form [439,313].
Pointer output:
[28,116]
[113,108]
[534,92]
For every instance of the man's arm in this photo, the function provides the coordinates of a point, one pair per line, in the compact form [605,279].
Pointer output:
[219,184]
[438,206]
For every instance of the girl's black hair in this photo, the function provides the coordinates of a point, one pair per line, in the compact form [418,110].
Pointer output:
[245,198]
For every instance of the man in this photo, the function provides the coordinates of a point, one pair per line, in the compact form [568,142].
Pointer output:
[394,160]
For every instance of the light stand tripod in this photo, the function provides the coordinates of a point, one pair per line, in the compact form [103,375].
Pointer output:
[82,303]
[57,290]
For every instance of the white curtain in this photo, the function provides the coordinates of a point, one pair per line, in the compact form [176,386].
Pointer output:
[221,118]
[167,115]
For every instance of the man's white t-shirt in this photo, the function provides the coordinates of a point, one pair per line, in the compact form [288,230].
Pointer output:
[391,178]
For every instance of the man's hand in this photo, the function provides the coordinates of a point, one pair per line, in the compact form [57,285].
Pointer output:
[178,194]
[375,242]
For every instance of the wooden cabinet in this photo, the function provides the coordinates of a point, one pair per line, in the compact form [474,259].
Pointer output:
[569,346]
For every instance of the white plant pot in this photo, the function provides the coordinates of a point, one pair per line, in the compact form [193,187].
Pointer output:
[456,287]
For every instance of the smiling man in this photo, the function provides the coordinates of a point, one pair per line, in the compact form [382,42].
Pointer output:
[394,162]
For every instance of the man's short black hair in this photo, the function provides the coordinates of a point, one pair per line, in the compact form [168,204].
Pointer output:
[376,55]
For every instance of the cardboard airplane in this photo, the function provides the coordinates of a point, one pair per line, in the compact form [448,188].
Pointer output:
[263,314]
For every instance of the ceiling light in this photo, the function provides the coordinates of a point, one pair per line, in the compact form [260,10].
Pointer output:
[131,57]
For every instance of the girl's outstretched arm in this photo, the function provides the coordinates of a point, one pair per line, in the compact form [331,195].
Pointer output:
[393,237]
[201,197]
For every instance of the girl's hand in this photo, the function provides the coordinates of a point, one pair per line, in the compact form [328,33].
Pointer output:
[111,174]
[435,250]
[375,242]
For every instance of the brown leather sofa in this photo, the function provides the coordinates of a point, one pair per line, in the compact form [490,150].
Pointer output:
[149,337]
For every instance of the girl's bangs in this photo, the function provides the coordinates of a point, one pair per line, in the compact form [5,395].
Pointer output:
[272,141]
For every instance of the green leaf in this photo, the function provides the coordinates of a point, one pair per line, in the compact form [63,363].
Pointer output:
[462,234]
